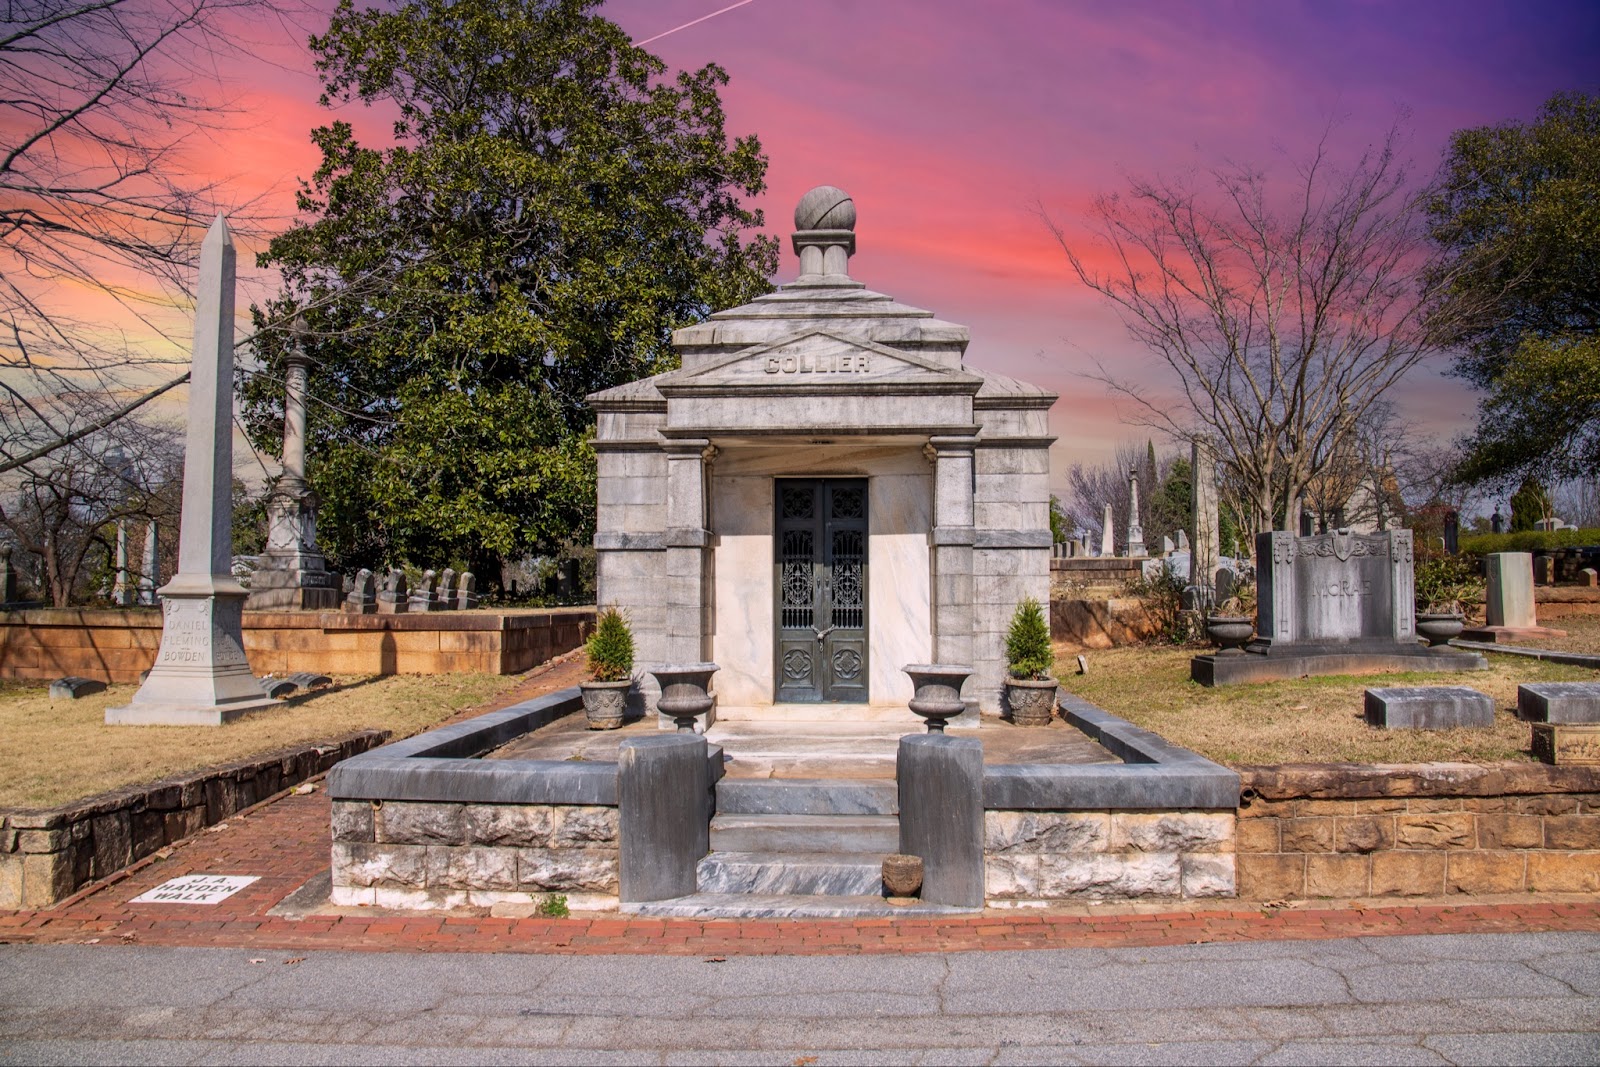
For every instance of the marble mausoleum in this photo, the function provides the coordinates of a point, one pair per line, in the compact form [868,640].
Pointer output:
[823,493]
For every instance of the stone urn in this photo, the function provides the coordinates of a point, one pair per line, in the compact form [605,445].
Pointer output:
[1438,627]
[938,692]
[604,703]
[1032,700]
[683,691]
[902,875]
[1230,633]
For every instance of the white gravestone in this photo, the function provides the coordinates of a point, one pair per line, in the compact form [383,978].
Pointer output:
[201,676]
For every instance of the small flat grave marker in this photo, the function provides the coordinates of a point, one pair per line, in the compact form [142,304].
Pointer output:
[196,889]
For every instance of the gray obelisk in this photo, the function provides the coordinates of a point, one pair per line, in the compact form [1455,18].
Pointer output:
[119,589]
[201,676]
[1205,547]
[1108,544]
[150,568]
[1135,528]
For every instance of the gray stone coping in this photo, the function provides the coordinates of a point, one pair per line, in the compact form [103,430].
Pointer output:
[441,765]
[1571,659]
[1154,775]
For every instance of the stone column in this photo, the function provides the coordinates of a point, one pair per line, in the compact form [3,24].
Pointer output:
[201,676]
[954,535]
[1135,527]
[1205,551]
[292,572]
[688,544]
[150,567]
[1403,585]
[1108,545]
[119,589]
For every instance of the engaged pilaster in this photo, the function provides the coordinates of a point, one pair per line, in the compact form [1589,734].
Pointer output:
[953,537]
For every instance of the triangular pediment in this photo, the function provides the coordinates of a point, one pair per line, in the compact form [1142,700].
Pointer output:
[820,359]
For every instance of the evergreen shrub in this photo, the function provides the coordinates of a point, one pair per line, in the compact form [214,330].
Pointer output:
[610,647]
[1028,652]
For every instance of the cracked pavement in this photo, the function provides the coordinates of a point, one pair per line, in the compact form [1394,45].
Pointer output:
[1465,998]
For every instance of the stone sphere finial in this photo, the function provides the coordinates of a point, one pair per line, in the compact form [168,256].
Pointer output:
[825,208]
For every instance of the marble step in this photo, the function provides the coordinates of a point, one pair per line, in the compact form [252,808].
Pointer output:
[753,906]
[850,874]
[807,796]
[805,833]
[831,713]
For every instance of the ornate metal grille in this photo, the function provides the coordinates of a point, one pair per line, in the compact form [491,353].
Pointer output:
[849,503]
[796,577]
[848,556]
[798,501]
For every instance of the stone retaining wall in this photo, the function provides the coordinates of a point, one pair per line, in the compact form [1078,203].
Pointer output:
[1327,831]
[117,646]
[1108,623]
[398,854]
[46,856]
[1045,856]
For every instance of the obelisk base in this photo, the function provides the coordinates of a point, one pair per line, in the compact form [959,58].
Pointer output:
[201,676]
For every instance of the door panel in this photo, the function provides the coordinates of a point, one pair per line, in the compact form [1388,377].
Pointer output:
[821,571]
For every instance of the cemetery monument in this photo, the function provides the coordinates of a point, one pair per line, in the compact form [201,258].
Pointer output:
[201,676]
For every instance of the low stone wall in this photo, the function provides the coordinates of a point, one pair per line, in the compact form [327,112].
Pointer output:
[395,854]
[1102,623]
[117,646]
[1045,856]
[1318,831]
[1565,601]
[46,856]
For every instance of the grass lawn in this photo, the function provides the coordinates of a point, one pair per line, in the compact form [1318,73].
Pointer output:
[1583,634]
[57,751]
[1311,720]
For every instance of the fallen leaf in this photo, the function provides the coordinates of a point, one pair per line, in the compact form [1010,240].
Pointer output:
[92,941]
[1275,904]
[303,789]
[805,1061]
[715,959]
[217,829]
[129,936]
[163,853]
[258,961]
[296,959]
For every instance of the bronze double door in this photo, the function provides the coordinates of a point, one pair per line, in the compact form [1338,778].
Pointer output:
[821,568]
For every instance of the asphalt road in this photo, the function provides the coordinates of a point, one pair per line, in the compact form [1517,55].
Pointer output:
[1479,998]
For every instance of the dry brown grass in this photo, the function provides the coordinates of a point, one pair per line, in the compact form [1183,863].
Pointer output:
[57,751]
[1583,634]
[1312,720]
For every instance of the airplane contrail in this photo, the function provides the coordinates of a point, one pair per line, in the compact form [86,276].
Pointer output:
[696,22]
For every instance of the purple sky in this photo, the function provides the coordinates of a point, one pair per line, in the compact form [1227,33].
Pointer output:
[948,120]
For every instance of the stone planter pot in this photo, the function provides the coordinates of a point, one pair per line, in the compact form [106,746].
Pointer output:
[1439,627]
[1230,633]
[1033,701]
[604,703]
[938,692]
[683,691]
[902,875]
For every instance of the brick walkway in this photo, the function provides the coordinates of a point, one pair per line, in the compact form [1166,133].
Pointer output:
[285,842]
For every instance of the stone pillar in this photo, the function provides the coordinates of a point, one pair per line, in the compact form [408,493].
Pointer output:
[1403,585]
[292,572]
[1509,590]
[1135,527]
[150,566]
[119,589]
[201,676]
[941,815]
[1205,550]
[688,546]
[663,815]
[1108,545]
[954,535]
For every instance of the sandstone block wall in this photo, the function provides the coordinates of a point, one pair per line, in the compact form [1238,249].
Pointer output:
[1511,840]
[405,854]
[117,646]
[1108,623]
[1066,855]
[46,856]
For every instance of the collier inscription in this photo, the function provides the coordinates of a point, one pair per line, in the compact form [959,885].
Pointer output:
[837,363]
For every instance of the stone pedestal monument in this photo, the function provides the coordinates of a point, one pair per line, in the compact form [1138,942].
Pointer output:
[1335,603]
[1510,614]
[1204,548]
[1108,542]
[1135,528]
[292,573]
[201,676]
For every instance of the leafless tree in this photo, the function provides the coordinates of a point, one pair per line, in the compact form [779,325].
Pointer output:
[1283,320]
[100,214]
[1090,487]
[63,514]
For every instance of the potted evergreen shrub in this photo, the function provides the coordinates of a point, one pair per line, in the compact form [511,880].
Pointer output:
[1030,690]
[610,654]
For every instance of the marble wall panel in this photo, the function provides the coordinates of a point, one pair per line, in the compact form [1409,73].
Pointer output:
[1013,422]
[1019,487]
[992,461]
[817,414]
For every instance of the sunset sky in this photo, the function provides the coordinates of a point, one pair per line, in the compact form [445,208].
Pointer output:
[949,121]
